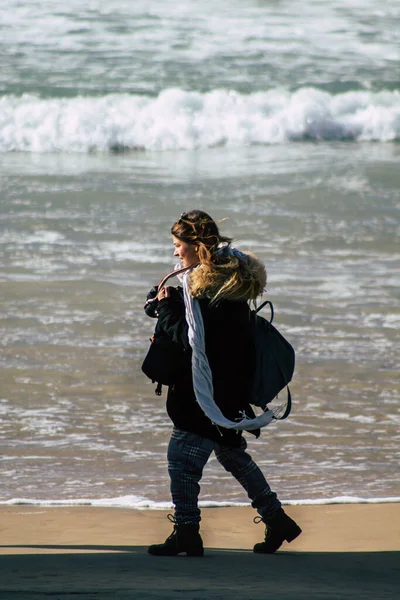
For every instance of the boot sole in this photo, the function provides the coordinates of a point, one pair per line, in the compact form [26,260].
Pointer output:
[191,555]
[162,552]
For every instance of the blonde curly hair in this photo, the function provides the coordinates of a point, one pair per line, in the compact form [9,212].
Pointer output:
[223,273]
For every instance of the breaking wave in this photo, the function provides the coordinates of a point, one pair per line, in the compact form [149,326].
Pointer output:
[178,119]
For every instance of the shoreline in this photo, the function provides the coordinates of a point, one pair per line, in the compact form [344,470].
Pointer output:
[131,503]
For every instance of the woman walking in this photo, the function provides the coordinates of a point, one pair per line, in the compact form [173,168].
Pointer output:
[209,318]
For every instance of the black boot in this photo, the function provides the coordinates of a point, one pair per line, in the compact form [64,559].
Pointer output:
[184,538]
[279,529]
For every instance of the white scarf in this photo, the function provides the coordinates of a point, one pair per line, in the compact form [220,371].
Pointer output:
[202,376]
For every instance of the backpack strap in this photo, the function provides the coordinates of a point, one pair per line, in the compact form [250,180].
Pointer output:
[271,307]
[172,274]
[287,410]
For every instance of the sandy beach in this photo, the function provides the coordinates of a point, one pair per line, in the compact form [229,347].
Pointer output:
[345,551]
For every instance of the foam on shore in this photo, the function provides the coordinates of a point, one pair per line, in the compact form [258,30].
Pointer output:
[141,503]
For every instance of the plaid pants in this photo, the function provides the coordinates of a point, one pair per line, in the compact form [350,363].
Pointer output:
[188,454]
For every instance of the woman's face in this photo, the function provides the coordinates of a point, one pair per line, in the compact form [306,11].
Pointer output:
[185,252]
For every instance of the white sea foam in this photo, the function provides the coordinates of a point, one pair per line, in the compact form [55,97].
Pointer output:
[139,502]
[177,119]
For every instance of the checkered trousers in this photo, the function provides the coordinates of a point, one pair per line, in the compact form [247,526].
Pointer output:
[188,454]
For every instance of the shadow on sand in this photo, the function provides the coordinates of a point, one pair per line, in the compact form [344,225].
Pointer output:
[128,572]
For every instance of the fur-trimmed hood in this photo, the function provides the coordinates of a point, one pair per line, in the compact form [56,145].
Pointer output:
[236,276]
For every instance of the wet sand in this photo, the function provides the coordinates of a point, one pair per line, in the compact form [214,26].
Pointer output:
[345,551]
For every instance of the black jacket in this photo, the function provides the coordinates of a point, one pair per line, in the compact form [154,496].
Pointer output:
[230,352]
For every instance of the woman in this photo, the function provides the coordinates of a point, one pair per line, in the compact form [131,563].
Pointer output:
[216,382]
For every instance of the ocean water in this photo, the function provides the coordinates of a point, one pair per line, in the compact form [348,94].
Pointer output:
[282,119]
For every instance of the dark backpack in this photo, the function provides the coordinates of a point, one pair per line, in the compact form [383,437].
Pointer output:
[275,359]
[165,359]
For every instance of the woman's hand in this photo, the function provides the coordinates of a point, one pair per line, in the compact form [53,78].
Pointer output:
[164,293]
